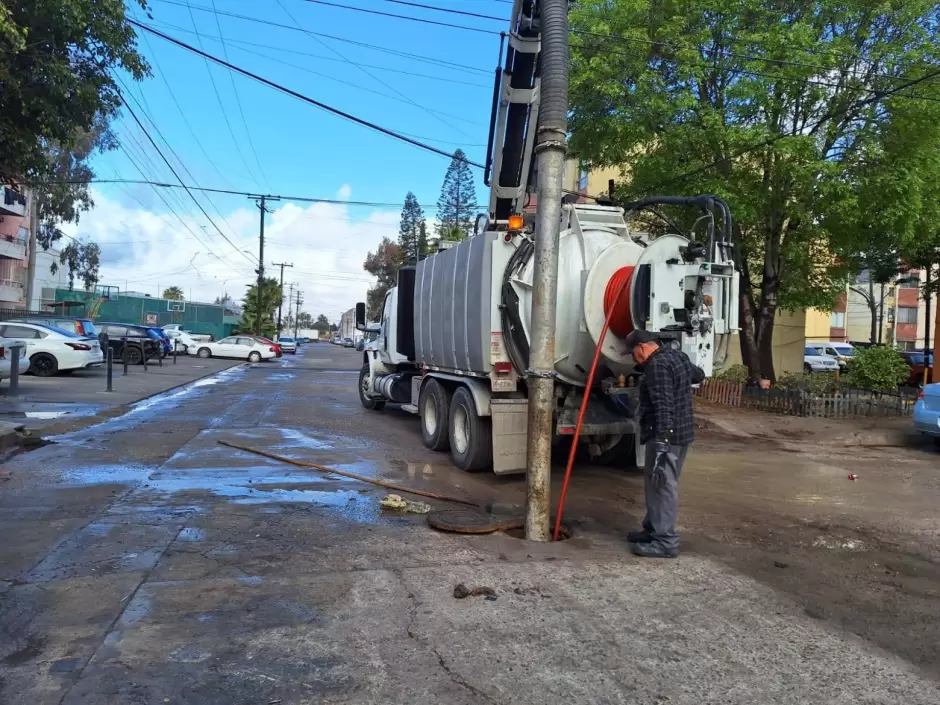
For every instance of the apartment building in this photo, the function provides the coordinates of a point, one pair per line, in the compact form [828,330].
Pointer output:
[14,240]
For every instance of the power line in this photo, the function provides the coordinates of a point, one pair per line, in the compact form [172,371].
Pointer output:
[402,17]
[238,102]
[218,98]
[808,128]
[321,57]
[249,194]
[374,47]
[432,113]
[301,96]
[448,10]
[195,200]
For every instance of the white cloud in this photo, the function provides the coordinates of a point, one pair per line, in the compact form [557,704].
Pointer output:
[327,243]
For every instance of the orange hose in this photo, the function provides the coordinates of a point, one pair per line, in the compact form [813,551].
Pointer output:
[611,311]
[617,297]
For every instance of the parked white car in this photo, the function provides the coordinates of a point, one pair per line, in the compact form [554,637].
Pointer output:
[6,356]
[183,341]
[237,346]
[842,352]
[288,345]
[53,350]
[814,362]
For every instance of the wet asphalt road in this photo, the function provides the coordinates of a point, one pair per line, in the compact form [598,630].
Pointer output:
[144,563]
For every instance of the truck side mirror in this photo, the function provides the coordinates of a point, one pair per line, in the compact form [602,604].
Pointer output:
[360,316]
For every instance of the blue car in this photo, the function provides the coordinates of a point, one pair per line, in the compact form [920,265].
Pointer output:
[159,334]
[927,412]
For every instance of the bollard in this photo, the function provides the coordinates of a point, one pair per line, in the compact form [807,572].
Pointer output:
[110,364]
[160,356]
[143,355]
[175,345]
[124,355]
[15,370]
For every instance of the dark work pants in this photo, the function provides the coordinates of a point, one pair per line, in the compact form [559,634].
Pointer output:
[662,503]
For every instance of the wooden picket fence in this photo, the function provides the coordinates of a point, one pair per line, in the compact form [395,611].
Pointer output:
[843,403]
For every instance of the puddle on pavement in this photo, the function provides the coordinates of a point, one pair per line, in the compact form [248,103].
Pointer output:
[39,411]
[296,439]
[106,474]
[191,534]
[281,376]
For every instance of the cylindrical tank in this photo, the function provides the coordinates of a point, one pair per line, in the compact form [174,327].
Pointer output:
[588,263]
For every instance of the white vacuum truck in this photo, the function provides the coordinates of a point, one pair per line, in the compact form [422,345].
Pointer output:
[454,340]
[453,346]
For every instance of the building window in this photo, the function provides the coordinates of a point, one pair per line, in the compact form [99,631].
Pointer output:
[837,319]
[583,177]
[907,314]
[909,282]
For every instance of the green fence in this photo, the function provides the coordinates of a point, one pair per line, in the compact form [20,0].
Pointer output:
[206,319]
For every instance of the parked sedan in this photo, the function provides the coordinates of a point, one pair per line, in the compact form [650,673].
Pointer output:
[288,345]
[239,346]
[814,362]
[132,340]
[927,411]
[918,360]
[267,341]
[183,341]
[52,350]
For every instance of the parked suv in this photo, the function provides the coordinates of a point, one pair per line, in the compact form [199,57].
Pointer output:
[137,338]
[84,327]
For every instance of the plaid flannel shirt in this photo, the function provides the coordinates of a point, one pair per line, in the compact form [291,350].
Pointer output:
[666,398]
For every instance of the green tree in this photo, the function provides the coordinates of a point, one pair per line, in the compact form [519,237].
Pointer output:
[457,205]
[270,297]
[412,233]
[382,264]
[788,112]
[82,260]
[57,63]
[173,292]
[322,324]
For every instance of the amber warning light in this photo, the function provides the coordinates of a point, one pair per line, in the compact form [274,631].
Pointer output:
[515,222]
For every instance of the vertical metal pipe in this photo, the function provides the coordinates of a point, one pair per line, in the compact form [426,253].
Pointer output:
[124,355]
[110,364]
[15,370]
[550,151]
[143,355]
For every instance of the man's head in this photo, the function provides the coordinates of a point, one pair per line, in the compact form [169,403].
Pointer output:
[641,345]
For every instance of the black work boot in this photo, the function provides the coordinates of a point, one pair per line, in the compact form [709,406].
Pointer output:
[653,550]
[639,536]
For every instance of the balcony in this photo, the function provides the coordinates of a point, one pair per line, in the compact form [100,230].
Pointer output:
[12,202]
[11,292]
[13,246]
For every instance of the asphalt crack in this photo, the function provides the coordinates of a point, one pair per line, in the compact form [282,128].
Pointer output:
[452,675]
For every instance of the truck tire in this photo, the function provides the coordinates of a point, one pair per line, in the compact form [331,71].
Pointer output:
[621,455]
[471,436]
[368,403]
[434,411]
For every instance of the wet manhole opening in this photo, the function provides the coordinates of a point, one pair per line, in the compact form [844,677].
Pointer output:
[472,521]
[564,533]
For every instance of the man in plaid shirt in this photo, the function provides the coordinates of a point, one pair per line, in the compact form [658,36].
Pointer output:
[666,430]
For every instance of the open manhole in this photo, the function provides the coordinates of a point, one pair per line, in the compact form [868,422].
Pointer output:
[472,521]
[519,532]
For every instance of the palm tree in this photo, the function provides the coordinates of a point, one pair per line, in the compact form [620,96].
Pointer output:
[174,293]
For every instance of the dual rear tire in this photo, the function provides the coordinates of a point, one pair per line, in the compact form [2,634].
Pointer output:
[450,420]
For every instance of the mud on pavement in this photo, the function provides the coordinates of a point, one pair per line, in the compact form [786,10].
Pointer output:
[142,562]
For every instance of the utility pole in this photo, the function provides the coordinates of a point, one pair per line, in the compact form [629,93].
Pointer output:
[281,302]
[262,206]
[297,317]
[31,261]
[550,150]
[928,296]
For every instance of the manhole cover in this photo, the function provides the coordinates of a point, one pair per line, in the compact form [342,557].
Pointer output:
[471,521]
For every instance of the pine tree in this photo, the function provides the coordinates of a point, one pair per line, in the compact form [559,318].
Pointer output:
[412,236]
[457,205]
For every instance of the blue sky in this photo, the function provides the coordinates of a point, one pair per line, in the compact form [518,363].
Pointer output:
[302,150]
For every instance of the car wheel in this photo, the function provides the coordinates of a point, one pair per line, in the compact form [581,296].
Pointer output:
[43,365]
[807,368]
[254,356]
[471,436]
[204,353]
[936,440]
[134,355]
[434,410]
[366,401]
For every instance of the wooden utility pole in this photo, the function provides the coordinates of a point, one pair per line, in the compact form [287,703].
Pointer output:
[297,317]
[281,302]
[262,206]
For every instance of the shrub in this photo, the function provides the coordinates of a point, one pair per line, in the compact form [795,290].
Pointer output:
[813,382]
[878,368]
[736,373]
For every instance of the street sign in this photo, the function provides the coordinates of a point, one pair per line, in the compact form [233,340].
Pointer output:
[151,319]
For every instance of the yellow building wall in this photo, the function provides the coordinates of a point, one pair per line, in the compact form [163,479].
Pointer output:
[788,342]
[817,325]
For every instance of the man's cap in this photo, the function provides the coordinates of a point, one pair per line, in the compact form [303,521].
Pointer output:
[638,337]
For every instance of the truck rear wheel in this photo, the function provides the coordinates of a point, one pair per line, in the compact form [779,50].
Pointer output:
[621,455]
[471,436]
[434,410]
[364,398]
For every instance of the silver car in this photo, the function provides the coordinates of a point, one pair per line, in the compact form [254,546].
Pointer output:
[813,361]
[288,345]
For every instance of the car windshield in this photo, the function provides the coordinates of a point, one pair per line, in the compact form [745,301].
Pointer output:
[810,351]
[844,350]
[286,340]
